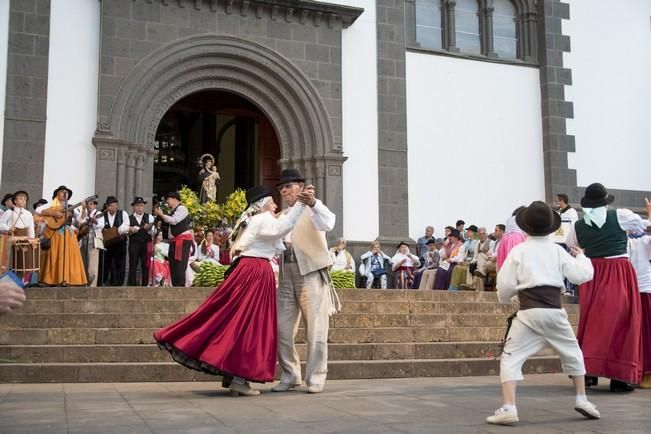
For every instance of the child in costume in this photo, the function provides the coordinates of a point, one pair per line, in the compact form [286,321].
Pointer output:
[535,271]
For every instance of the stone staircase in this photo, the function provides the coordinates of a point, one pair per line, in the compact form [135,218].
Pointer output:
[105,335]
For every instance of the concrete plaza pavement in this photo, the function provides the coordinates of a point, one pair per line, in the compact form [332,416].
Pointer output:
[411,405]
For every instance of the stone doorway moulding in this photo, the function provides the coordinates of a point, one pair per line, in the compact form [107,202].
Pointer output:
[125,139]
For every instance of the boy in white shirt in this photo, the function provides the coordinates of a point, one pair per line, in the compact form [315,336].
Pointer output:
[534,271]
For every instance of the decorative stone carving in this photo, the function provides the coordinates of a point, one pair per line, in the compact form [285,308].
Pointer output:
[106,154]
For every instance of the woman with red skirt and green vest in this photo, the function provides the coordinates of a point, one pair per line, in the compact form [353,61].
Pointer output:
[610,310]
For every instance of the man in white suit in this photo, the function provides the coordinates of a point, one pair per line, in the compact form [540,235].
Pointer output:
[304,287]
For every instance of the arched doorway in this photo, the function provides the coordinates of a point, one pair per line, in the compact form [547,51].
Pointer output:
[225,125]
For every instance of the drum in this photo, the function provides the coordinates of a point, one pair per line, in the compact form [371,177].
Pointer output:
[25,257]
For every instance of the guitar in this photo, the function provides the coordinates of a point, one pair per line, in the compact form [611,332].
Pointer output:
[55,223]
[85,227]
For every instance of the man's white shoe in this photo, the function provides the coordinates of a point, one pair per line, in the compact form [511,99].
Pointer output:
[283,387]
[587,409]
[315,388]
[503,417]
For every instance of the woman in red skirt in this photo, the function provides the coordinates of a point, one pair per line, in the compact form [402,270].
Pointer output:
[233,332]
[610,320]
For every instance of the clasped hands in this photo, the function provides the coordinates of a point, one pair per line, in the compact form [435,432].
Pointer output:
[307,196]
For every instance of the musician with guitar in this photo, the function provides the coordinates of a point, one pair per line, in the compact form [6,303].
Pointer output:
[141,230]
[61,263]
[116,228]
[90,235]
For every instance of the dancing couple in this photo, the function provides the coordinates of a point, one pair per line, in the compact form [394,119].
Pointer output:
[238,330]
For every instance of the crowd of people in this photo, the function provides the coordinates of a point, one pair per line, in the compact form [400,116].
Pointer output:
[535,257]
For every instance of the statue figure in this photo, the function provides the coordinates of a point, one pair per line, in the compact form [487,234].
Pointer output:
[209,179]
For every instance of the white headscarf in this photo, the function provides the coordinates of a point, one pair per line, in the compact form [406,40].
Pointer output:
[249,212]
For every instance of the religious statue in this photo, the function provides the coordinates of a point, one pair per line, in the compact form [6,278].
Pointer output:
[209,179]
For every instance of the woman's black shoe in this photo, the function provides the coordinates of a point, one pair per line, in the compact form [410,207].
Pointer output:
[591,381]
[620,387]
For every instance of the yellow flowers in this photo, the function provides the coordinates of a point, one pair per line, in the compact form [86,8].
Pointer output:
[211,214]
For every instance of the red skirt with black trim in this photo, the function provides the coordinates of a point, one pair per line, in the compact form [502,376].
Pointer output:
[610,332]
[233,332]
[646,332]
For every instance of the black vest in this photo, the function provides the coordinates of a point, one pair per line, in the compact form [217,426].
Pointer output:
[609,240]
[180,227]
[142,235]
[116,223]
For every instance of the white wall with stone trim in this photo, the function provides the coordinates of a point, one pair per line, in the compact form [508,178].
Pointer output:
[4,51]
[611,91]
[475,141]
[72,97]
[360,124]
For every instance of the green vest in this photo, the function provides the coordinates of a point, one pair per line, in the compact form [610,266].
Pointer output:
[609,240]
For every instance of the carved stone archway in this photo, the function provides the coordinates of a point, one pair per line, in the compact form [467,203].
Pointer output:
[125,139]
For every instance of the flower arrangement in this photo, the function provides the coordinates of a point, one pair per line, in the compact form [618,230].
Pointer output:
[233,207]
[211,214]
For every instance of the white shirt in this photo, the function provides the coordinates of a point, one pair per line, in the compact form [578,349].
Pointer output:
[17,218]
[263,237]
[536,262]
[343,261]
[640,251]
[627,220]
[208,256]
[410,260]
[123,229]
[138,217]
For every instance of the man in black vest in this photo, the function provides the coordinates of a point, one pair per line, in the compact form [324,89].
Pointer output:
[180,235]
[141,229]
[116,248]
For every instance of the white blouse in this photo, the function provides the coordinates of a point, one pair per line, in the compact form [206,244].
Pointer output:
[263,237]
[17,218]
[410,260]
[640,251]
[342,261]
[211,255]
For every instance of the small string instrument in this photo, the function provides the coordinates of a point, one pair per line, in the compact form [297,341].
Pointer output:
[55,223]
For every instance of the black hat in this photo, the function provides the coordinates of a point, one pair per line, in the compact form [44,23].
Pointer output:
[402,243]
[19,192]
[472,228]
[256,193]
[62,187]
[110,200]
[174,194]
[290,175]
[595,196]
[39,203]
[455,233]
[460,222]
[7,196]
[430,241]
[137,200]
[538,219]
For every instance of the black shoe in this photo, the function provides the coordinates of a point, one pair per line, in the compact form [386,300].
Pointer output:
[591,381]
[620,387]
[226,381]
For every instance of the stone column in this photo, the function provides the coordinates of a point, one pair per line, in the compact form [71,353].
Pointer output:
[120,190]
[130,176]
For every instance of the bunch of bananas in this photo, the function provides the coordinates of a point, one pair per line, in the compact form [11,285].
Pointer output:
[343,279]
[209,274]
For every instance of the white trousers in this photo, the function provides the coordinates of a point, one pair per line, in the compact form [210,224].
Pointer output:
[370,279]
[93,266]
[307,296]
[533,330]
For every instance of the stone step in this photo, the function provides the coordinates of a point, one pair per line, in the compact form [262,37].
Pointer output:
[157,320]
[88,335]
[134,293]
[168,371]
[185,306]
[151,353]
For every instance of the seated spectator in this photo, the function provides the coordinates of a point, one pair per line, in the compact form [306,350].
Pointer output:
[160,269]
[372,266]
[460,227]
[487,262]
[513,236]
[424,277]
[208,250]
[459,275]
[342,260]
[422,241]
[482,249]
[454,253]
[404,263]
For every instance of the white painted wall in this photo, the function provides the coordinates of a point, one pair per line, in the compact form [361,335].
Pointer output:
[611,91]
[4,48]
[360,128]
[475,141]
[72,97]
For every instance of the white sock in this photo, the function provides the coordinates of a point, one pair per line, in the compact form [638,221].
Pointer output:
[581,398]
[238,380]
[509,407]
